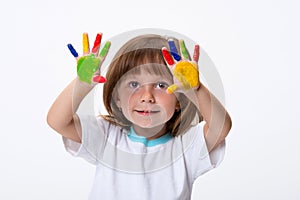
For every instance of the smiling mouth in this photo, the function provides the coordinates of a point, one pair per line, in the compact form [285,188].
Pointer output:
[146,112]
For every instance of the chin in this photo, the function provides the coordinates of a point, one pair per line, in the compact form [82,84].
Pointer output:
[150,125]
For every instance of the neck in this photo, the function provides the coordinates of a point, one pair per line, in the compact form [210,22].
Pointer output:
[150,133]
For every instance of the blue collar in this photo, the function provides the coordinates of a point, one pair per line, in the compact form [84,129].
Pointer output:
[148,143]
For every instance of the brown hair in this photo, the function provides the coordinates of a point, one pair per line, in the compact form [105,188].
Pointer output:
[138,51]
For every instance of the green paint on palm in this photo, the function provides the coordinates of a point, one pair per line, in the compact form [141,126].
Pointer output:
[86,67]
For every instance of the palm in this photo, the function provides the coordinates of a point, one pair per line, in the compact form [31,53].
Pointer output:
[88,65]
[186,74]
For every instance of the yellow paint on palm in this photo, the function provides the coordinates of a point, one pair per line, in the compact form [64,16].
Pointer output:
[187,73]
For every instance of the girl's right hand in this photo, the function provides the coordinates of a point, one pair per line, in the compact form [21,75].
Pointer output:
[88,65]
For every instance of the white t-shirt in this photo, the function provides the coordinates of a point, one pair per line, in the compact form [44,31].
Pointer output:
[130,167]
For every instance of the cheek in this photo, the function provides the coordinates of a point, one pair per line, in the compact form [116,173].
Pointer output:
[169,103]
[127,100]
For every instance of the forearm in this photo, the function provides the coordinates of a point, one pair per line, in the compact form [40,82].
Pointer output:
[65,106]
[218,121]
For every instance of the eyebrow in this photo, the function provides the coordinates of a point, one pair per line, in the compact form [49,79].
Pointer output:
[156,78]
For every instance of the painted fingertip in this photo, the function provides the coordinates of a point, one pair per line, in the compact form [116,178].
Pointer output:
[196,53]
[171,89]
[105,49]
[184,51]
[99,79]
[97,43]
[85,43]
[173,50]
[72,50]
[167,56]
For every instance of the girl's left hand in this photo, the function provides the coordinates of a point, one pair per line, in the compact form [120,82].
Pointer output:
[88,65]
[184,70]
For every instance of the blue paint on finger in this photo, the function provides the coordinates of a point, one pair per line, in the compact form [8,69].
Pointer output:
[173,50]
[72,50]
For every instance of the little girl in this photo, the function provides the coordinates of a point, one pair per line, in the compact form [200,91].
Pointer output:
[163,128]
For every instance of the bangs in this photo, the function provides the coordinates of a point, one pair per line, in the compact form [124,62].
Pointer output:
[148,60]
[151,68]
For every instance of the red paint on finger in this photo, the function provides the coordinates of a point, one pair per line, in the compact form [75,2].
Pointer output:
[97,43]
[99,79]
[196,53]
[167,56]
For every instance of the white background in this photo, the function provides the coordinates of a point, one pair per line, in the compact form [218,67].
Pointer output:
[254,45]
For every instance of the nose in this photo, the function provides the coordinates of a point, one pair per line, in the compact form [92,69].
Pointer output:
[147,95]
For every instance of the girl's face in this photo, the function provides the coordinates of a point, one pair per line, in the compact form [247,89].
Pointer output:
[144,100]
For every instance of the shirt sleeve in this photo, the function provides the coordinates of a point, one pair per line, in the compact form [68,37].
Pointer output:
[202,160]
[93,139]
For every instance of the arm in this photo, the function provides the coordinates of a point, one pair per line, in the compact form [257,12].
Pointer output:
[186,80]
[218,121]
[62,115]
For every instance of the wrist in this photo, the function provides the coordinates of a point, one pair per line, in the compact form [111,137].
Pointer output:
[83,85]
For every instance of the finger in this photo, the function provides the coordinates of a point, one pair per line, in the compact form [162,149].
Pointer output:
[196,53]
[184,51]
[104,50]
[168,58]
[173,50]
[99,79]
[97,43]
[172,88]
[73,51]
[85,44]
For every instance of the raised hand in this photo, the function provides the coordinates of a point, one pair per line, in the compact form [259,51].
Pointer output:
[88,65]
[184,70]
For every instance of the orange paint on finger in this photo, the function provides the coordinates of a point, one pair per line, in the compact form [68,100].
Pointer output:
[85,43]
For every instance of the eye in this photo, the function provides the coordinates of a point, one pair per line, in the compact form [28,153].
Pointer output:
[133,84]
[162,85]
